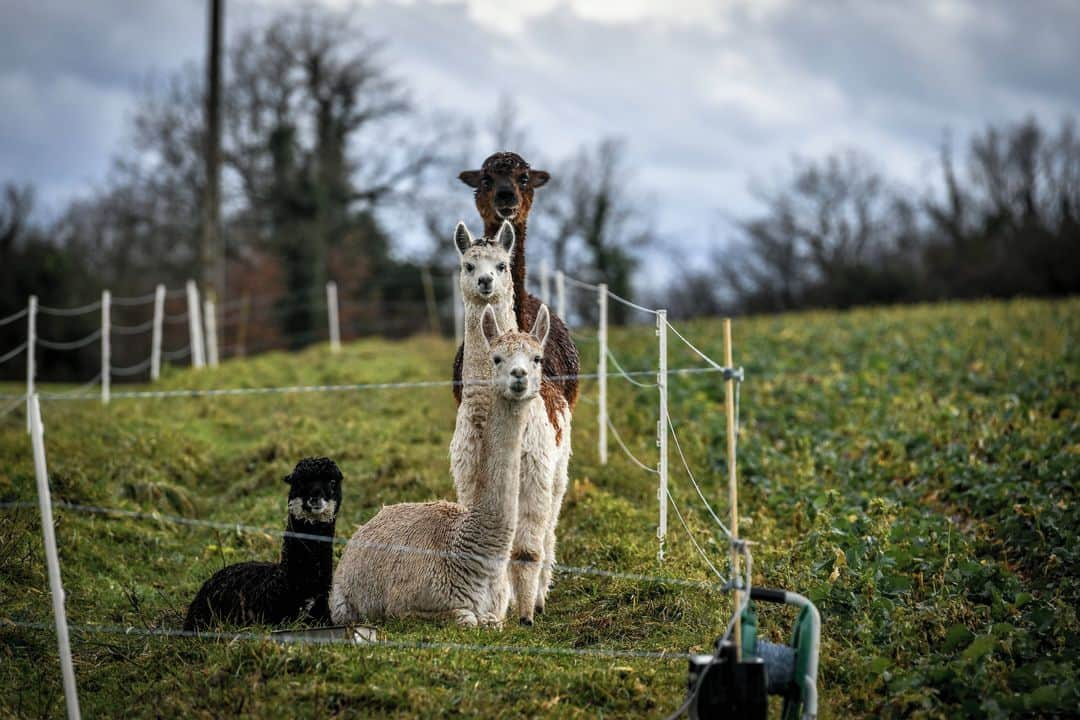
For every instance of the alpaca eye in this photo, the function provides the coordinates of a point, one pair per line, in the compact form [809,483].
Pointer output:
[538,359]
[501,267]
[469,267]
[486,182]
[496,359]
[524,180]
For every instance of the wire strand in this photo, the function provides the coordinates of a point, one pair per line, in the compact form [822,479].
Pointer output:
[580,283]
[14,316]
[691,345]
[70,345]
[203,393]
[693,541]
[131,370]
[618,439]
[131,329]
[68,312]
[12,353]
[131,631]
[587,570]
[79,393]
[694,482]
[132,300]
[627,303]
[622,372]
[176,354]
[20,400]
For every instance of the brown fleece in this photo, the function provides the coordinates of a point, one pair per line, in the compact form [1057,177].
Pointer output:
[560,354]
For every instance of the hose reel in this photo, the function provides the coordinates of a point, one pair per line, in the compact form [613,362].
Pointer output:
[724,687]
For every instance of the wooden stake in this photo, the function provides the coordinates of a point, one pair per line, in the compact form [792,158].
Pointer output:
[733,488]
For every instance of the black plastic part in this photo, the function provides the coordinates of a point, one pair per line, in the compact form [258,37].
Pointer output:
[767,595]
[729,689]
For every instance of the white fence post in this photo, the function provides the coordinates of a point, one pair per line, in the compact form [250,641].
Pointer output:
[210,320]
[560,295]
[662,431]
[195,325]
[31,360]
[52,559]
[601,373]
[332,316]
[459,309]
[155,337]
[106,355]
[545,281]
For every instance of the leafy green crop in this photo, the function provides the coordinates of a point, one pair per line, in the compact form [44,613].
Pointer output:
[912,470]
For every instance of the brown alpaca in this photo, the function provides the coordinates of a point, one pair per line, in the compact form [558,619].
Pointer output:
[504,191]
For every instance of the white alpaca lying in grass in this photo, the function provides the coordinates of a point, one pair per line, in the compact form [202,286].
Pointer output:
[441,559]
[486,282]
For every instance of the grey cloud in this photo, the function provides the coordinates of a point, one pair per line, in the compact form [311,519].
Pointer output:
[704,106]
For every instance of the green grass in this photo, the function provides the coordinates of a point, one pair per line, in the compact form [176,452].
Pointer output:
[912,470]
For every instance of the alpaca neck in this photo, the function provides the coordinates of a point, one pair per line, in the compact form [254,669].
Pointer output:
[499,472]
[476,361]
[308,562]
[518,270]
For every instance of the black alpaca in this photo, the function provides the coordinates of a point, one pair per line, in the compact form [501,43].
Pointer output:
[254,593]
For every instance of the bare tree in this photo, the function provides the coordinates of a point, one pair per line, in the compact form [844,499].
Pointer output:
[597,222]
[1010,221]
[828,237]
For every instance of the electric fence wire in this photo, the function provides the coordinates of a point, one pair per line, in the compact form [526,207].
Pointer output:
[131,370]
[696,690]
[693,540]
[68,312]
[741,546]
[574,282]
[18,402]
[355,387]
[622,372]
[633,458]
[627,303]
[69,345]
[12,353]
[583,338]
[131,329]
[134,300]
[693,481]
[14,316]
[176,354]
[79,393]
[130,631]
[239,528]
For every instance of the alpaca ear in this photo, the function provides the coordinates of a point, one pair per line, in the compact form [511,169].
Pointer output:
[472,177]
[542,325]
[506,236]
[489,325]
[538,178]
[288,479]
[463,239]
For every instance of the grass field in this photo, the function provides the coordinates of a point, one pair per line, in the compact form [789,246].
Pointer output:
[912,470]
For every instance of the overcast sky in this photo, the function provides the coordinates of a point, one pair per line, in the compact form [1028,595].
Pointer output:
[708,95]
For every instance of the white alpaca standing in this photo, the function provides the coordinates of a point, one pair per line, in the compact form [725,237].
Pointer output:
[486,282]
[442,559]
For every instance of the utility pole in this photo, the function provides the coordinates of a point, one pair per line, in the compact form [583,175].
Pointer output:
[212,250]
